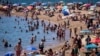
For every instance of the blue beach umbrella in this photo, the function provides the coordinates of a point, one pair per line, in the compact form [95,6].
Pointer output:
[65,13]
[9,54]
[65,10]
[31,48]
[91,46]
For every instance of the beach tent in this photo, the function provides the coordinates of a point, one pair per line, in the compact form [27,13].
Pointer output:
[29,7]
[65,10]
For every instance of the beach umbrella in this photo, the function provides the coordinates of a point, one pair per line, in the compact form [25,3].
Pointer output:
[9,54]
[44,4]
[38,7]
[91,46]
[87,5]
[65,7]
[31,48]
[5,7]
[70,4]
[65,10]
[80,3]
[96,40]
[45,7]
[23,3]
[98,3]
[29,7]
[61,1]
[65,13]
[15,4]
[52,8]
[92,8]
[85,32]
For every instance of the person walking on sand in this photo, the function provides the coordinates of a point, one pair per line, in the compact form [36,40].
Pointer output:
[18,48]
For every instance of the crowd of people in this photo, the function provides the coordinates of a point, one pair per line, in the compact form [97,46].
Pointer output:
[76,46]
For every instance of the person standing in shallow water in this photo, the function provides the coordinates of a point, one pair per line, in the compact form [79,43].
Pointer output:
[5,43]
[18,48]
[41,46]
[32,40]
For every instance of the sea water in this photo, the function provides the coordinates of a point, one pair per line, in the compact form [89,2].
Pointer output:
[7,24]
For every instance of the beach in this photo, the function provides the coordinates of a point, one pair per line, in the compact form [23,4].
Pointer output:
[54,20]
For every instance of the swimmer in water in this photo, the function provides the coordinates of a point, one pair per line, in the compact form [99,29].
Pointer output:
[32,40]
